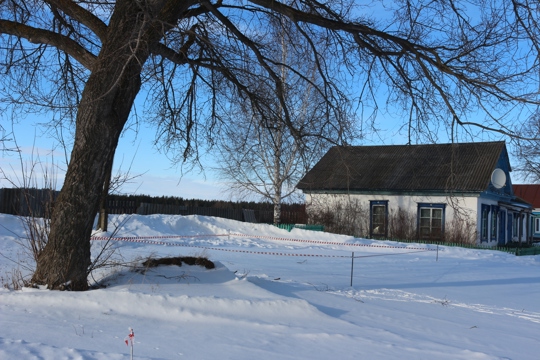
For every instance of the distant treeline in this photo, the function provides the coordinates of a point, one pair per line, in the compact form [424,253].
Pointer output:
[35,202]
[172,200]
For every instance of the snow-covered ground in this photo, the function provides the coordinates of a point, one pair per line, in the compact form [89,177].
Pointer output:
[275,295]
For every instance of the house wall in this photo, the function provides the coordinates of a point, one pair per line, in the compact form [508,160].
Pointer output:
[461,207]
[512,223]
[466,205]
[457,210]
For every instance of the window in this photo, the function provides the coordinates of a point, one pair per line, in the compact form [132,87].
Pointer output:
[537,225]
[484,223]
[515,226]
[431,221]
[378,218]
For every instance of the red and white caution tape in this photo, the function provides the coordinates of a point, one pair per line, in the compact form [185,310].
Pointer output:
[144,240]
[318,242]
[331,242]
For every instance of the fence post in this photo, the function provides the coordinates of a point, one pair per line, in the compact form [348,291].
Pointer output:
[352,267]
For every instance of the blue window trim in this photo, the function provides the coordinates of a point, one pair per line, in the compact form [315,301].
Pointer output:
[484,237]
[515,225]
[378,202]
[493,234]
[521,224]
[431,206]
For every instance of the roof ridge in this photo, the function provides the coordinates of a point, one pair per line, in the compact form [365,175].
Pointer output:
[429,144]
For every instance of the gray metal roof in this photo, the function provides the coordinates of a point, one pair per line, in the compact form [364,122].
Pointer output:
[435,167]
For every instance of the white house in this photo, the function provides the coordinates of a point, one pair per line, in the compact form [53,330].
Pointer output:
[444,187]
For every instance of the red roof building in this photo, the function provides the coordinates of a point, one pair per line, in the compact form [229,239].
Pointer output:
[528,192]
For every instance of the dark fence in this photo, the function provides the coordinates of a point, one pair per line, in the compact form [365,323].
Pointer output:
[37,202]
[148,209]
[122,206]
[248,215]
[27,202]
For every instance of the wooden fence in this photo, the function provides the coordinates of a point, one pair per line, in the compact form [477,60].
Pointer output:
[122,207]
[27,202]
[248,215]
[148,209]
[36,202]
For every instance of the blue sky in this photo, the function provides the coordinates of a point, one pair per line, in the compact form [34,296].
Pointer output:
[155,174]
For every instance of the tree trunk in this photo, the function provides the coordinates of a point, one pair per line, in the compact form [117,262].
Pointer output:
[277,179]
[277,213]
[103,218]
[104,109]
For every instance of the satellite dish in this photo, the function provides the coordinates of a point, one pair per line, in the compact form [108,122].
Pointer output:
[498,178]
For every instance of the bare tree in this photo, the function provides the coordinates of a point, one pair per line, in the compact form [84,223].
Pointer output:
[5,139]
[257,153]
[264,159]
[88,60]
[527,150]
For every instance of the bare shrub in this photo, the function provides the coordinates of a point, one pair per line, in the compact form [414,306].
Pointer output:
[106,255]
[37,228]
[34,201]
[461,230]
[14,280]
[32,244]
[344,217]
[402,225]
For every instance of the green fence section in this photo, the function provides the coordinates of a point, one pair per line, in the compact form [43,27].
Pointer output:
[310,227]
[289,227]
[518,251]
[535,250]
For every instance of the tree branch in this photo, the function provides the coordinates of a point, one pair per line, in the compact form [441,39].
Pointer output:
[81,15]
[45,37]
[364,36]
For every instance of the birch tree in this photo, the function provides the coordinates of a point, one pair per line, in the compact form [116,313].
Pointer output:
[257,154]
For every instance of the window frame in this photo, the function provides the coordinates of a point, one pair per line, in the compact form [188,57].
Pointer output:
[432,207]
[372,205]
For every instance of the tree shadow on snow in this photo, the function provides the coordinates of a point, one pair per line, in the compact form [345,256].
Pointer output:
[291,289]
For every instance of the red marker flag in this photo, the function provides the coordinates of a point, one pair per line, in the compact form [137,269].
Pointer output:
[130,337]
